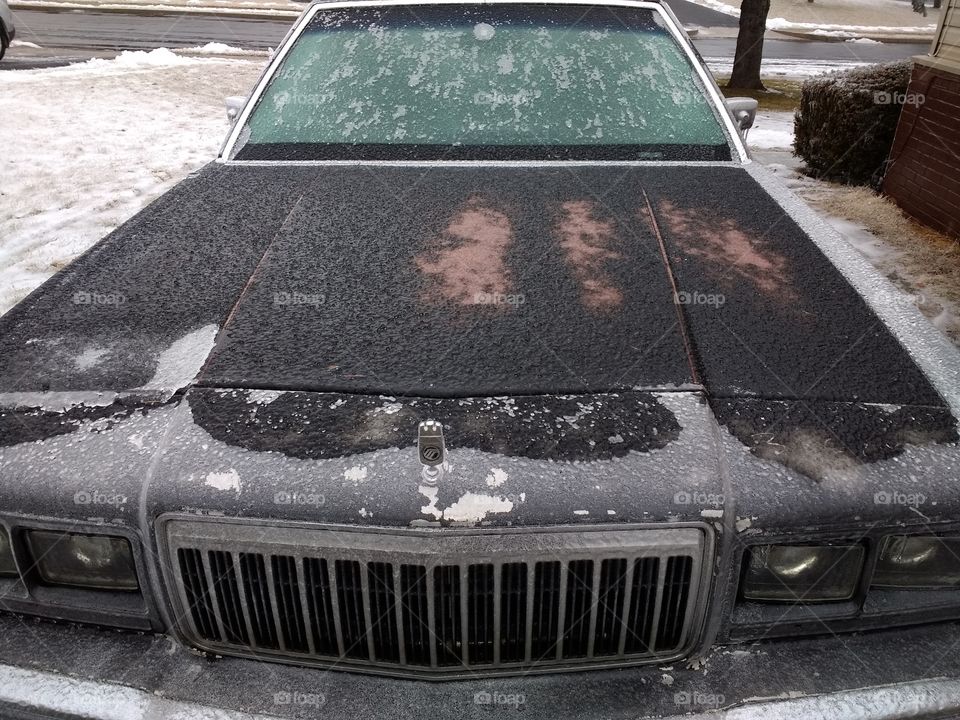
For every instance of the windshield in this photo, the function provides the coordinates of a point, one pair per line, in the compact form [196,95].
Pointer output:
[484,82]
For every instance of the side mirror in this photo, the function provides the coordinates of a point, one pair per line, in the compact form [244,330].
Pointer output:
[234,105]
[744,111]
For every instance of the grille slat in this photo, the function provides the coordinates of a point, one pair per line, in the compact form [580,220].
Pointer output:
[446,585]
[673,611]
[546,613]
[416,616]
[513,593]
[643,599]
[352,618]
[198,594]
[480,614]
[529,609]
[612,582]
[227,592]
[320,606]
[579,596]
[254,580]
[286,591]
[383,612]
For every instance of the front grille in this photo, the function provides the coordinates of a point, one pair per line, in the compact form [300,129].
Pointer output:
[438,603]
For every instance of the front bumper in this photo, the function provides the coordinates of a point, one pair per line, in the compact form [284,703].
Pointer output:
[67,671]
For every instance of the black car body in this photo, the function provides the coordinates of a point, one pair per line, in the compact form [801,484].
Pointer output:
[645,370]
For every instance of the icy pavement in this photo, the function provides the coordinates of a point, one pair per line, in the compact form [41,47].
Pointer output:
[95,143]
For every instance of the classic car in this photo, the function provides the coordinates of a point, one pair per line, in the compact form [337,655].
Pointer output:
[482,371]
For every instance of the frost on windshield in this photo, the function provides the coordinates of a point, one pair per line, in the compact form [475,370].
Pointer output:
[485,78]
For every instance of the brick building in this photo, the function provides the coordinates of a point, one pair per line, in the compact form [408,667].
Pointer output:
[923,175]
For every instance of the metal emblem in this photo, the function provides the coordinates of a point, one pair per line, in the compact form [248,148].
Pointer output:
[431,449]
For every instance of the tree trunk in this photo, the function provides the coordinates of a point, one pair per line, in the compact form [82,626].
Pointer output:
[746,62]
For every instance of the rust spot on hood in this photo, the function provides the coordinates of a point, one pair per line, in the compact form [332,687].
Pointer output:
[588,244]
[731,253]
[466,264]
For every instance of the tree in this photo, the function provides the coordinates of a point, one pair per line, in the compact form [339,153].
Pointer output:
[746,62]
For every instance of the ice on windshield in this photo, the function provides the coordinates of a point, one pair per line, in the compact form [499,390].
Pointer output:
[496,77]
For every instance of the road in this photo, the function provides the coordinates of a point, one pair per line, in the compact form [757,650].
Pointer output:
[71,35]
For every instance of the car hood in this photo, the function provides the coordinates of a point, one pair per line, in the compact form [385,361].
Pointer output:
[547,316]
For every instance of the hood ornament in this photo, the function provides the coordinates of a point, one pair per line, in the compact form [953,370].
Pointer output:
[431,450]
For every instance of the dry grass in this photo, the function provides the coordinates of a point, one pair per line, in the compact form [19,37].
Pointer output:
[923,262]
[781,95]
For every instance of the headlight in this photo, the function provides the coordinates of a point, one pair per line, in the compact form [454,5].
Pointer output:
[803,573]
[92,561]
[918,562]
[7,565]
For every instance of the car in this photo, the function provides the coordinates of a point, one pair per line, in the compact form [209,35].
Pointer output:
[7,30]
[483,370]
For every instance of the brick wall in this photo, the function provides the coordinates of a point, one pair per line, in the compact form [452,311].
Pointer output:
[923,176]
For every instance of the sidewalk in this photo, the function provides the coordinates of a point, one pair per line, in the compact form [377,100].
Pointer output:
[841,20]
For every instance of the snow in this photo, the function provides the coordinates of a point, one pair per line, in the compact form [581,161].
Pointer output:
[215,48]
[785,67]
[833,30]
[50,694]
[76,172]
[771,131]
[23,44]
[180,363]
[229,480]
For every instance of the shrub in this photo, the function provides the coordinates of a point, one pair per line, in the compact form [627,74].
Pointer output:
[846,121]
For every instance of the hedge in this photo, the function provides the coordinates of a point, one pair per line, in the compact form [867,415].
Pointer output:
[846,121]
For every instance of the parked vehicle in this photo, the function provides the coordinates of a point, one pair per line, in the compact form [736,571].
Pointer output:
[482,354]
[7,30]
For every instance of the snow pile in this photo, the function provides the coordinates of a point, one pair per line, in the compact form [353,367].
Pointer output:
[771,131]
[216,48]
[97,141]
[841,31]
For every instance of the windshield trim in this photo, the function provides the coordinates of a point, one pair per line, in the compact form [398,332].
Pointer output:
[734,140]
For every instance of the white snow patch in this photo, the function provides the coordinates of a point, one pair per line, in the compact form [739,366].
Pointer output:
[364,513]
[77,172]
[742,524]
[390,408]
[430,493]
[581,512]
[864,41]
[496,478]
[180,363]
[666,679]
[23,44]
[215,48]
[772,131]
[355,474]
[263,397]
[229,480]
[90,357]
[841,31]
[711,513]
[475,507]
